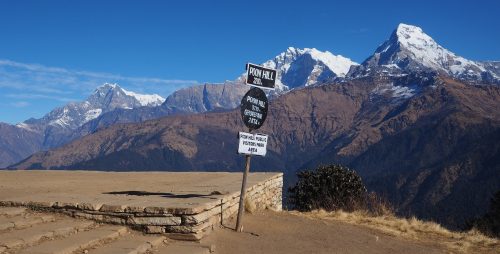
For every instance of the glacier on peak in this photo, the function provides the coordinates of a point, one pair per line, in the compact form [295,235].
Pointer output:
[146,99]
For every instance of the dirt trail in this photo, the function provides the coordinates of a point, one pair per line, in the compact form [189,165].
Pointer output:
[270,232]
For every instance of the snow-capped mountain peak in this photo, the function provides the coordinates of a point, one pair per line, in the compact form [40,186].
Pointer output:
[405,31]
[409,49]
[105,98]
[338,64]
[116,96]
[303,67]
[106,87]
[430,53]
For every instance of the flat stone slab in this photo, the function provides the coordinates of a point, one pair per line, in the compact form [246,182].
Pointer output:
[186,248]
[79,241]
[130,244]
[20,222]
[16,238]
[149,192]
[12,211]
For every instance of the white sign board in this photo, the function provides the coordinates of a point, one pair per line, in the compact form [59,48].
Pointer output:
[252,144]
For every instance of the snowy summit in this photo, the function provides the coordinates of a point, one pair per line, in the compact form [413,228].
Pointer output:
[304,67]
[428,52]
[110,89]
[105,98]
[409,49]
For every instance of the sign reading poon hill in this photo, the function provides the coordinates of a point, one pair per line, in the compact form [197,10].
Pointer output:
[260,76]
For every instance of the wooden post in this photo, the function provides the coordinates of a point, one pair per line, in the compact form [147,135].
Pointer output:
[241,210]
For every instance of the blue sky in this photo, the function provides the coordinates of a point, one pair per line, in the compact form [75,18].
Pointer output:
[52,52]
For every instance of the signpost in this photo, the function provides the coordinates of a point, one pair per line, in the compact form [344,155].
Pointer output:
[253,107]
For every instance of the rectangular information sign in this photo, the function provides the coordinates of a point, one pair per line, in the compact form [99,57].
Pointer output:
[252,144]
[260,76]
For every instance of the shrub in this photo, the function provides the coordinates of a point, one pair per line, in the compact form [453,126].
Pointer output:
[328,187]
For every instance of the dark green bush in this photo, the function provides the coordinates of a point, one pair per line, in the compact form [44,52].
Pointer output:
[328,187]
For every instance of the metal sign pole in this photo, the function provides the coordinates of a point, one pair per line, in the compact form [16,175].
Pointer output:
[239,226]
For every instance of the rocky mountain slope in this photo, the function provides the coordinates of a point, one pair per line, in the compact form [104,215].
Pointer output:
[492,66]
[17,143]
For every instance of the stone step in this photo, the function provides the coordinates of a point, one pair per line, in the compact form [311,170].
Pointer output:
[30,236]
[185,248]
[80,241]
[25,221]
[130,244]
[12,211]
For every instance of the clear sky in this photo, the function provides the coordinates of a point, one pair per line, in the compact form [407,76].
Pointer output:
[52,52]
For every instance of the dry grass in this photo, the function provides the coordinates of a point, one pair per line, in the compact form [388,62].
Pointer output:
[414,229]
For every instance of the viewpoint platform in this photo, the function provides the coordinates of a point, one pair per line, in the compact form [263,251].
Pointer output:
[184,206]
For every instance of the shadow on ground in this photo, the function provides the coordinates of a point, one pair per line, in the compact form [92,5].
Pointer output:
[165,194]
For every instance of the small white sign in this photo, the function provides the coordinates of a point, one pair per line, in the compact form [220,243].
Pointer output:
[252,144]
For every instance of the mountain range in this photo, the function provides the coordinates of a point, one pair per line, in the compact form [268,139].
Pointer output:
[110,104]
[419,123]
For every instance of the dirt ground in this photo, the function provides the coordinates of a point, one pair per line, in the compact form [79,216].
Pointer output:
[281,232]
[181,190]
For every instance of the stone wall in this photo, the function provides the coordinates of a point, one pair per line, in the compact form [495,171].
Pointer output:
[176,223]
